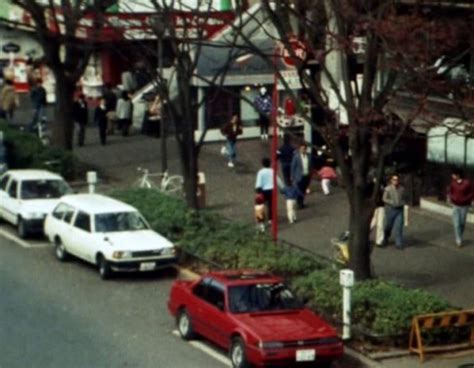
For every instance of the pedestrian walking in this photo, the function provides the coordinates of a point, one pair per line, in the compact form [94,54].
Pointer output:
[124,113]
[264,183]
[259,210]
[301,165]
[110,105]
[231,131]
[81,117]
[327,174]
[461,195]
[39,102]
[394,201]
[9,100]
[377,223]
[291,194]
[263,105]
[285,155]
[100,118]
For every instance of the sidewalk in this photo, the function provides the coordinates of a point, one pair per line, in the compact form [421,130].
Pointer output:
[431,260]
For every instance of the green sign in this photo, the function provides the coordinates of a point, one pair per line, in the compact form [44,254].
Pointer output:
[226,5]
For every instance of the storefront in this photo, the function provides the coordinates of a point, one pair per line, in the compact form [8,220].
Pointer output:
[230,81]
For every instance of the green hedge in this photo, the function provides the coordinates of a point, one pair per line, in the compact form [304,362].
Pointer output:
[383,308]
[25,150]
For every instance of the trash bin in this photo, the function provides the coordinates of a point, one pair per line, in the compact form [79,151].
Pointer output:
[201,190]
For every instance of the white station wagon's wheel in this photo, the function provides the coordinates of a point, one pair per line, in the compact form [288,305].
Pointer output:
[60,251]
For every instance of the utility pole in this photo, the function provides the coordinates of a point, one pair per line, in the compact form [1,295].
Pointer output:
[160,31]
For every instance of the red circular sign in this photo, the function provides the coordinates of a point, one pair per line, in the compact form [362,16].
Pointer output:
[298,53]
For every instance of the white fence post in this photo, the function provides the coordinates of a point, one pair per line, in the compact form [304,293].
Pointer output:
[91,181]
[346,279]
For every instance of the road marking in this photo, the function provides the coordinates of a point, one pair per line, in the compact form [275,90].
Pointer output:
[35,244]
[14,239]
[209,351]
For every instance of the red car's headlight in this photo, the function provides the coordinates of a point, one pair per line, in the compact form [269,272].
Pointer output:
[269,345]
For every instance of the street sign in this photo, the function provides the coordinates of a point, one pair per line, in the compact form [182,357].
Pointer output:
[10,47]
[298,52]
[292,79]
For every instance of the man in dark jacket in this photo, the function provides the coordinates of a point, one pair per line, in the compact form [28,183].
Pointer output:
[110,99]
[460,194]
[80,116]
[38,100]
[100,118]
[301,166]
[285,155]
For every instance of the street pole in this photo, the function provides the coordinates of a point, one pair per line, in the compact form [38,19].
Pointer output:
[164,158]
[274,155]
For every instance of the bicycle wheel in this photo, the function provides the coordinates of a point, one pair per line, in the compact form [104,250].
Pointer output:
[173,185]
[142,183]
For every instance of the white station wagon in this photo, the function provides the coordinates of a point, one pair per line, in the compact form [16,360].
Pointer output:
[27,196]
[108,233]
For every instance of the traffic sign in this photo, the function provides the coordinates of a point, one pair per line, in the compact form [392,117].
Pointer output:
[298,52]
[10,47]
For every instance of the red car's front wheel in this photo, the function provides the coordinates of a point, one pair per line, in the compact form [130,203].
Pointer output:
[185,327]
[237,354]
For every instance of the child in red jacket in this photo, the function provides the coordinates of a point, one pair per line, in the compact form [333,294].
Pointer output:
[327,174]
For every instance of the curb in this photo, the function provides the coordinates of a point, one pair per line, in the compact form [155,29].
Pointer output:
[362,358]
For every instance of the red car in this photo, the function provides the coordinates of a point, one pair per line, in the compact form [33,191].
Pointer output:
[256,317]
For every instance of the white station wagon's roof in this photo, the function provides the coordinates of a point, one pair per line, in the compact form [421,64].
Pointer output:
[33,174]
[96,203]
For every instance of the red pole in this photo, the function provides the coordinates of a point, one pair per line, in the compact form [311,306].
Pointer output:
[274,156]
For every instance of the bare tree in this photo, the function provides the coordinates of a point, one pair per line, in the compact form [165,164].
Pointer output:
[178,92]
[355,90]
[58,26]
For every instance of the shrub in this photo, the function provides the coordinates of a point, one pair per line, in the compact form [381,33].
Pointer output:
[165,214]
[380,307]
[25,150]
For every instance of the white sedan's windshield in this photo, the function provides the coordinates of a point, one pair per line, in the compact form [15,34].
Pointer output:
[43,189]
[261,298]
[119,221]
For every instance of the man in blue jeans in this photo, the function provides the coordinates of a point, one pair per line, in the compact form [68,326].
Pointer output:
[460,194]
[394,200]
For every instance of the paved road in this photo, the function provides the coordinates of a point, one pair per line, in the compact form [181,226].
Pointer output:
[64,315]
[56,315]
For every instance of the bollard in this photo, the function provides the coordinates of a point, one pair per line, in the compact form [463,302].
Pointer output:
[346,279]
[91,181]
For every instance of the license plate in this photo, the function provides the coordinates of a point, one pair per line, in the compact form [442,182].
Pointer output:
[147,266]
[306,355]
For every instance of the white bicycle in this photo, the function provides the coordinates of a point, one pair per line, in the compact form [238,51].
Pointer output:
[169,184]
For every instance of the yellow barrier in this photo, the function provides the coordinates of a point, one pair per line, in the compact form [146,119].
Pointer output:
[438,320]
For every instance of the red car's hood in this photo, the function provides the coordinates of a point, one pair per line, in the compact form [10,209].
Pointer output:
[286,326]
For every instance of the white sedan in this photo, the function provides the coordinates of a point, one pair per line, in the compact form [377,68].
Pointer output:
[27,195]
[108,233]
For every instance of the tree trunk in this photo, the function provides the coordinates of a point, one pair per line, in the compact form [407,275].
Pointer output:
[63,126]
[361,212]
[190,170]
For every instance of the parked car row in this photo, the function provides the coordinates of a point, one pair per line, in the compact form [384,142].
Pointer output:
[98,229]
[252,314]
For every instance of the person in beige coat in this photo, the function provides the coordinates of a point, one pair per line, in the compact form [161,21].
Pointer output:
[9,99]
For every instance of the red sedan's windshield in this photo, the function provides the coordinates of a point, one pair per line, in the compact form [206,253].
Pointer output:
[261,298]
